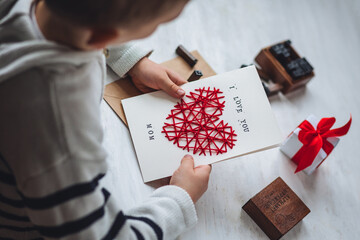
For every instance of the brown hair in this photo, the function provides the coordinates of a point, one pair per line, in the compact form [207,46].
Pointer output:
[109,13]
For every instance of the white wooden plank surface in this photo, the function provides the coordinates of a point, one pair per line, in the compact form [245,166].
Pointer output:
[229,33]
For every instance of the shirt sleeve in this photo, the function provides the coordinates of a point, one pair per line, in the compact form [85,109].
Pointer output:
[122,58]
[167,213]
[86,210]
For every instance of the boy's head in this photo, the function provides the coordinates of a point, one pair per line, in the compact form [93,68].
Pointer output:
[106,21]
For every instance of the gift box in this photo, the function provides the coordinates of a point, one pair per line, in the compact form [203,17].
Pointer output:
[312,142]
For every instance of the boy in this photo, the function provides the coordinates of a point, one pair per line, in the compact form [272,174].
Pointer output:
[52,72]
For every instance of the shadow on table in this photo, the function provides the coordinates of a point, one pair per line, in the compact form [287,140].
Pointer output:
[159,183]
[292,97]
[294,233]
[296,95]
[247,221]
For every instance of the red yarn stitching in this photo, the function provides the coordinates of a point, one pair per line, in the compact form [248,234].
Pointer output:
[195,125]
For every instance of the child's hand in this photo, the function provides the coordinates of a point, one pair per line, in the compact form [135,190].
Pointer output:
[193,180]
[148,75]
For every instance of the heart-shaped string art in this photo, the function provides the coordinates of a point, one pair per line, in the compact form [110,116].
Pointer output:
[196,126]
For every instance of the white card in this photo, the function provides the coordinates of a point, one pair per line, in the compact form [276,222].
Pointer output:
[247,111]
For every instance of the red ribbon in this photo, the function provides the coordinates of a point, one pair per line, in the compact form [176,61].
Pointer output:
[315,139]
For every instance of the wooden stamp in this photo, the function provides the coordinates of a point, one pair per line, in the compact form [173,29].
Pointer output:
[186,55]
[271,89]
[276,209]
[285,66]
[196,75]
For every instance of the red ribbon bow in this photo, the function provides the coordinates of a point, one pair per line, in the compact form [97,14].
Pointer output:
[315,139]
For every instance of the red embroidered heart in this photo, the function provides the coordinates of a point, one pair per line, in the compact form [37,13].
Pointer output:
[195,125]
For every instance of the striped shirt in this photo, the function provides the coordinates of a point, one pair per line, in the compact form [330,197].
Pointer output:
[51,154]
[102,221]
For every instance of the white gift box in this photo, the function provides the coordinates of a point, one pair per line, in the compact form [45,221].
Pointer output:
[292,145]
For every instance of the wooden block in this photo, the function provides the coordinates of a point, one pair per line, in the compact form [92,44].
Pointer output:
[262,74]
[186,55]
[276,209]
[276,71]
[196,75]
[124,88]
[271,89]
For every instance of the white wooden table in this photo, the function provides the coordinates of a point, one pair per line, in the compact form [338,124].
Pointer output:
[229,33]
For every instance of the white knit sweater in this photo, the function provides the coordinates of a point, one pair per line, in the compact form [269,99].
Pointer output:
[51,154]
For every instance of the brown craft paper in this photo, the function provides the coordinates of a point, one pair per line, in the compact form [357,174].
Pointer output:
[124,88]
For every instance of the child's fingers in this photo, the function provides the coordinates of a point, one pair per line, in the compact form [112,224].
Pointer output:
[187,162]
[175,77]
[171,88]
[142,87]
[203,170]
[210,167]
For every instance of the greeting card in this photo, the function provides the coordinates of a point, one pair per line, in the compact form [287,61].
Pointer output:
[221,117]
